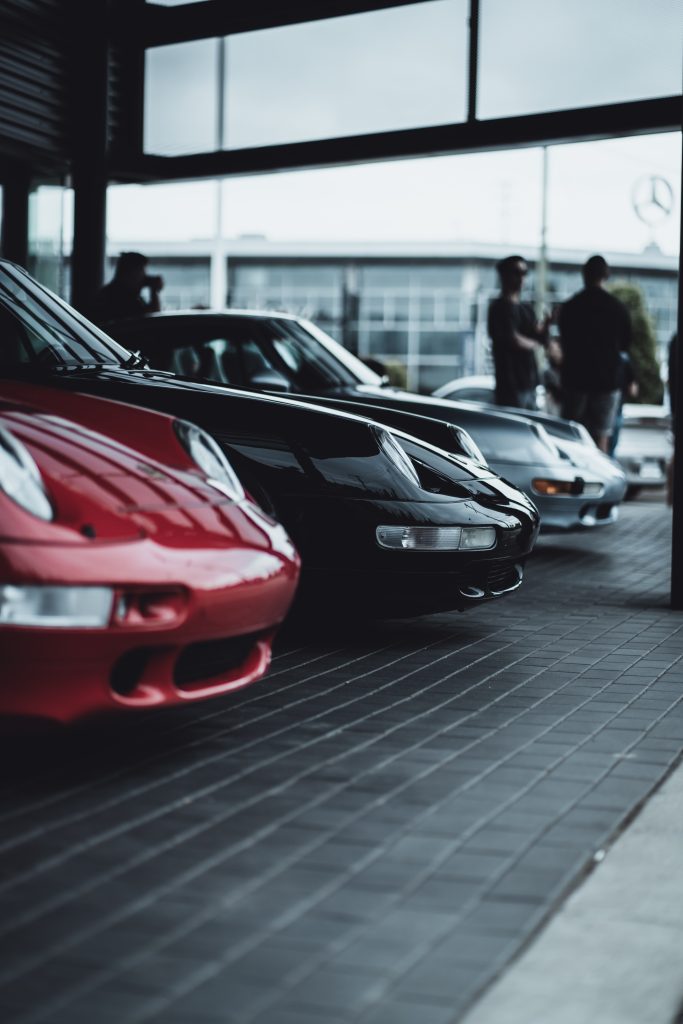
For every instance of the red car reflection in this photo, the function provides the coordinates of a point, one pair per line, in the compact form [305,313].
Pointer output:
[134,570]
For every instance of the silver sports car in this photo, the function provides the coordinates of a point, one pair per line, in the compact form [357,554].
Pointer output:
[645,440]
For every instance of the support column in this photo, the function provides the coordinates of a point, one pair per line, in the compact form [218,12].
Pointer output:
[676,388]
[90,156]
[15,192]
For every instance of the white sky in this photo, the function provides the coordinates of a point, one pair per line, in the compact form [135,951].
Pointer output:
[485,197]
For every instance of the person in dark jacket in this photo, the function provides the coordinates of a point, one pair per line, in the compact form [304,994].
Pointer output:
[515,335]
[595,328]
[121,297]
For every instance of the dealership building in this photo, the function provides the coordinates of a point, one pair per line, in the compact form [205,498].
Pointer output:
[416,304]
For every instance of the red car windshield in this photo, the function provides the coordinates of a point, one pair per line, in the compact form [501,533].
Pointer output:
[37,327]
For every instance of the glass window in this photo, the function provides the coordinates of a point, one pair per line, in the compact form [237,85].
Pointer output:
[50,235]
[439,342]
[181,98]
[38,327]
[426,308]
[310,366]
[372,307]
[537,55]
[398,307]
[378,71]
[383,276]
[387,342]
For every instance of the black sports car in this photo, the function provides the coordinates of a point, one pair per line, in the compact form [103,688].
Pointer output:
[573,484]
[381,520]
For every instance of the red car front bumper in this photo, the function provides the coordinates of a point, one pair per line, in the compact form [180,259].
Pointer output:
[187,623]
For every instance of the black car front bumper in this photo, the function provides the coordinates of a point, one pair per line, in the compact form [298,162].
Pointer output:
[345,570]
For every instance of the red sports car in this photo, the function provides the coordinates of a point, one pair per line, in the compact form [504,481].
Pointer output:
[134,570]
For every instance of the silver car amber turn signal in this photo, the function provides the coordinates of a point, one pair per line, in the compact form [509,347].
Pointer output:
[436,538]
[556,488]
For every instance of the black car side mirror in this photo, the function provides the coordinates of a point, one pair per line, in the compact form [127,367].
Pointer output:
[270,382]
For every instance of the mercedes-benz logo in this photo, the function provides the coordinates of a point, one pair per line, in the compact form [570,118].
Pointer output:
[653,199]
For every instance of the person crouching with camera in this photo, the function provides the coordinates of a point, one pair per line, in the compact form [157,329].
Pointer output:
[123,297]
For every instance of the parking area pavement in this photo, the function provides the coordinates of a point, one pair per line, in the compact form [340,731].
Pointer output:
[612,953]
[371,833]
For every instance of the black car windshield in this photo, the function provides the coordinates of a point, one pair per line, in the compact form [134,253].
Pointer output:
[348,367]
[36,327]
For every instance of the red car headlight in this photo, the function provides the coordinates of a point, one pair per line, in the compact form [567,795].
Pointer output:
[20,478]
[208,456]
[55,607]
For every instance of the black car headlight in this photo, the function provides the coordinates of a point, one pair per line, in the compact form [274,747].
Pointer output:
[208,456]
[469,446]
[436,538]
[401,460]
[20,478]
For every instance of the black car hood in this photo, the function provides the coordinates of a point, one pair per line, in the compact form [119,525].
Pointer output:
[237,417]
[502,437]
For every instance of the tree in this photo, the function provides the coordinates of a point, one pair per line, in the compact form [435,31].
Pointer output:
[643,343]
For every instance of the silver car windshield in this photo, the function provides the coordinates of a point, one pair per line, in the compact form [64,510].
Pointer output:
[38,327]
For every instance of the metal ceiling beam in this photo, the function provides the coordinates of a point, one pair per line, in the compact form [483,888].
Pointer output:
[161,26]
[562,126]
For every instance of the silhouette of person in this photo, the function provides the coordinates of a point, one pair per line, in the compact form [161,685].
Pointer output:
[516,335]
[121,297]
[628,387]
[595,328]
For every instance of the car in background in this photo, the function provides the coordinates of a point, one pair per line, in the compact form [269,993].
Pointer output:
[384,522]
[645,441]
[134,570]
[645,446]
[278,352]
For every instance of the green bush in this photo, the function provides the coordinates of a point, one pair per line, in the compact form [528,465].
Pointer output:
[643,344]
[397,373]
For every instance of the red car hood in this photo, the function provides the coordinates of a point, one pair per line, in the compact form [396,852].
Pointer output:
[105,490]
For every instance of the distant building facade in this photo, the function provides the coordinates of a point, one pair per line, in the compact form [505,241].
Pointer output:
[420,305]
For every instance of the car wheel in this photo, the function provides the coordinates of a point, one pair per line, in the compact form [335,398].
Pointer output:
[632,492]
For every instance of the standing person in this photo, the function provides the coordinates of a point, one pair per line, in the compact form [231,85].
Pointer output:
[628,388]
[121,297]
[595,328]
[516,335]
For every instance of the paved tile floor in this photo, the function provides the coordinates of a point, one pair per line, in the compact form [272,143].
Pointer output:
[612,952]
[368,835]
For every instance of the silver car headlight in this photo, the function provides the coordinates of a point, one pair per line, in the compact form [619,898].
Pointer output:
[208,456]
[393,450]
[20,478]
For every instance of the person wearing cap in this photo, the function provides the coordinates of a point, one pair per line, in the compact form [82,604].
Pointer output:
[515,335]
[122,296]
[595,329]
